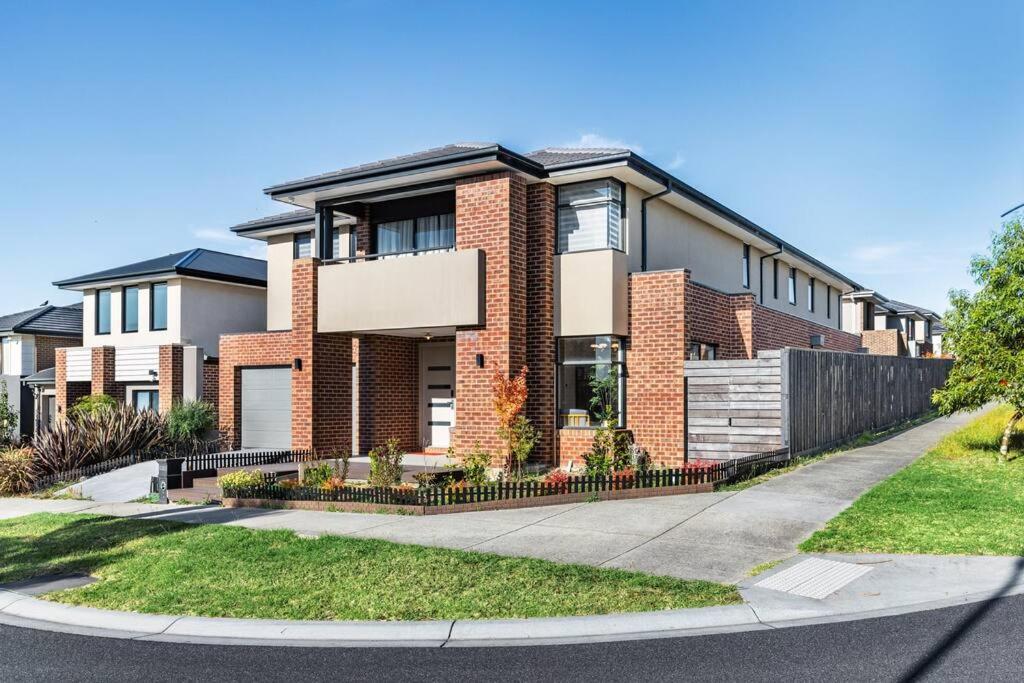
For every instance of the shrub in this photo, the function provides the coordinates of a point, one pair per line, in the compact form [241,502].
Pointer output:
[476,464]
[17,471]
[560,480]
[189,422]
[334,483]
[91,405]
[97,436]
[240,479]
[520,437]
[8,417]
[341,463]
[316,476]
[386,464]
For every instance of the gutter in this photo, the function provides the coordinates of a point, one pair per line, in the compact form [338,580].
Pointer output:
[643,223]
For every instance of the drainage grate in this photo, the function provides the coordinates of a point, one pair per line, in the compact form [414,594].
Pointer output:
[814,578]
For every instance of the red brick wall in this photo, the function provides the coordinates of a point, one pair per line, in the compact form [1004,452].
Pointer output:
[211,382]
[572,444]
[721,319]
[884,342]
[775,330]
[236,352]
[541,353]
[388,391]
[46,348]
[491,215]
[67,392]
[171,376]
[103,372]
[655,401]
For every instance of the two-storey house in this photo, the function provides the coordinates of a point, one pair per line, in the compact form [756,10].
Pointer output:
[892,328]
[398,287]
[152,328]
[28,346]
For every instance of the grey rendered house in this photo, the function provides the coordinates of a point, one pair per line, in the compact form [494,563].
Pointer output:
[28,344]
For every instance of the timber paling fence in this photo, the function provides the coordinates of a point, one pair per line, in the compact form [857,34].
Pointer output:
[830,397]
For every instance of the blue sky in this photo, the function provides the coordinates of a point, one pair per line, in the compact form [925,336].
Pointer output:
[884,138]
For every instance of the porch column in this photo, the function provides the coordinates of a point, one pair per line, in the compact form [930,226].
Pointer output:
[321,371]
[103,372]
[490,213]
[171,376]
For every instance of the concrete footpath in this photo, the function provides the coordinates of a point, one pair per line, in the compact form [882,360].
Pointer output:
[713,536]
[864,586]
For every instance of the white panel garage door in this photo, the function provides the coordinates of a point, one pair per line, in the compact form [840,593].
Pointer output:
[267,408]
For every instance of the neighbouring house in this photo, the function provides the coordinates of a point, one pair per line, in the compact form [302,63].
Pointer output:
[28,344]
[152,329]
[892,328]
[397,288]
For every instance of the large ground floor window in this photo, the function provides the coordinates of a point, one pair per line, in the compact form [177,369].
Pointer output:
[591,381]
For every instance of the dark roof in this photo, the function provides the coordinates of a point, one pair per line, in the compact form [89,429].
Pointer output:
[47,376]
[60,321]
[538,164]
[901,307]
[276,221]
[204,263]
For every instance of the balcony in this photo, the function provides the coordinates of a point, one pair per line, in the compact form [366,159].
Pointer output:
[438,289]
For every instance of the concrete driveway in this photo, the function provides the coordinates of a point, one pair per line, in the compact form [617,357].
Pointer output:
[714,536]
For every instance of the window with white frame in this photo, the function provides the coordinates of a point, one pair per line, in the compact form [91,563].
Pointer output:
[590,216]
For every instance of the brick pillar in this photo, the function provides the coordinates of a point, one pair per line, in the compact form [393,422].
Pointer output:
[322,388]
[103,372]
[61,380]
[540,317]
[362,228]
[171,375]
[655,359]
[490,213]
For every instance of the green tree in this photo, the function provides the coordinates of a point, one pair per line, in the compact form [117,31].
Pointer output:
[985,334]
[8,417]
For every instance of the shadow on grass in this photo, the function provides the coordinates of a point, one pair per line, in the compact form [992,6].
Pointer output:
[83,545]
[932,658]
[978,442]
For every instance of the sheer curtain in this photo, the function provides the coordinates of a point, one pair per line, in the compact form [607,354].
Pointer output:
[435,232]
[395,236]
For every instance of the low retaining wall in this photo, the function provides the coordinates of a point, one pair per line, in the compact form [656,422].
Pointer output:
[506,504]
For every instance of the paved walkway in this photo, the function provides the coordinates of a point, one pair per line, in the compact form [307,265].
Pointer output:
[714,536]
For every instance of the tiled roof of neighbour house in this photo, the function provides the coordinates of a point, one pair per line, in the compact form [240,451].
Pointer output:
[47,376]
[204,263]
[61,321]
[901,307]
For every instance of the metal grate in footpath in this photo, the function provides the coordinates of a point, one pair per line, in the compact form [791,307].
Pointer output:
[814,578]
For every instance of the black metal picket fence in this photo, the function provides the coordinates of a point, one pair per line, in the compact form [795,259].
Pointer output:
[167,452]
[459,494]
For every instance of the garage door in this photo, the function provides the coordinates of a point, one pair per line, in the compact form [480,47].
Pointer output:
[267,408]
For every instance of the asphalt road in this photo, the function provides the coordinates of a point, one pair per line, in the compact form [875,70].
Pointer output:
[975,642]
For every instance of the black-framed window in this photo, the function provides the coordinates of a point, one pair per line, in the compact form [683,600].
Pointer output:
[775,278]
[828,301]
[746,266]
[792,286]
[338,234]
[839,307]
[590,215]
[810,294]
[591,376]
[158,306]
[302,245]
[146,399]
[911,328]
[868,323]
[702,351]
[410,235]
[102,311]
[130,309]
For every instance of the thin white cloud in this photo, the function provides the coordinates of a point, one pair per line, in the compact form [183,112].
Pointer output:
[598,140]
[878,253]
[677,162]
[211,235]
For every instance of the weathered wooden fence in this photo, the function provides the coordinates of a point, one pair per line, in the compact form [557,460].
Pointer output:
[803,399]
[832,397]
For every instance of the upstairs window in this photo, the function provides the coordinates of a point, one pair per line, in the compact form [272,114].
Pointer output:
[746,266]
[302,245]
[590,216]
[775,278]
[158,306]
[413,235]
[810,295]
[792,286]
[103,311]
[130,309]
[828,301]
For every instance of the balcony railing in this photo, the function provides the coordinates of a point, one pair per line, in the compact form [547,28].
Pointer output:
[388,254]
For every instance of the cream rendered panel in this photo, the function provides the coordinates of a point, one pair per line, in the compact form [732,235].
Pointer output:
[145,336]
[633,234]
[853,317]
[279,282]
[591,292]
[12,360]
[210,309]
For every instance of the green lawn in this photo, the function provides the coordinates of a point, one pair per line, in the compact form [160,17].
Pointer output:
[220,571]
[956,500]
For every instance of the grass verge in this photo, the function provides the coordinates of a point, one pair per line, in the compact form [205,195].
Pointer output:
[220,571]
[865,439]
[955,500]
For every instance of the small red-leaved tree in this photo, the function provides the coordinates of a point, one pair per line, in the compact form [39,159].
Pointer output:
[520,437]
